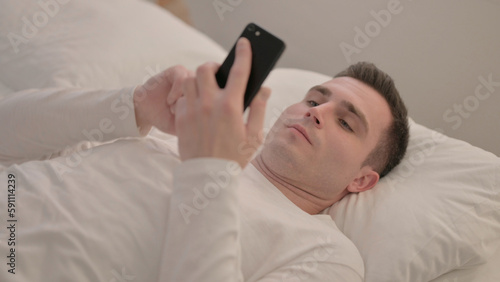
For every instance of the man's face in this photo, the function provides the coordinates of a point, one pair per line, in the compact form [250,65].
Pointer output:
[320,143]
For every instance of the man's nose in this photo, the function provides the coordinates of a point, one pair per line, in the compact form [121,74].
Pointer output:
[315,115]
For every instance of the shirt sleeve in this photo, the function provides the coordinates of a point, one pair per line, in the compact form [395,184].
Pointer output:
[37,123]
[203,241]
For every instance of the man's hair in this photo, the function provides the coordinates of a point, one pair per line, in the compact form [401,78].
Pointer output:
[391,147]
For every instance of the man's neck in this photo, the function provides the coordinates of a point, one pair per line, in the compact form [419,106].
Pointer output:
[304,200]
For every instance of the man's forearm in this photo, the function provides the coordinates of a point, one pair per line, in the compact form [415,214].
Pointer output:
[39,122]
[203,232]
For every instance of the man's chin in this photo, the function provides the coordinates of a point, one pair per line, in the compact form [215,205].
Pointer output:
[286,154]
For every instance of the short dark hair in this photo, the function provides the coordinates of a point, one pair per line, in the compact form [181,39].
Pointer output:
[391,147]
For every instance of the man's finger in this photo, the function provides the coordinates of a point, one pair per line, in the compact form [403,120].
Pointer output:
[240,71]
[179,105]
[176,83]
[257,112]
[190,91]
[205,80]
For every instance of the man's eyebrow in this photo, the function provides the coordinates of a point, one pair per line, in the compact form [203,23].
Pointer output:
[351,108]
[321,89]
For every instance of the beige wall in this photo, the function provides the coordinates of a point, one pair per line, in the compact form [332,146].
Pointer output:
[441,53]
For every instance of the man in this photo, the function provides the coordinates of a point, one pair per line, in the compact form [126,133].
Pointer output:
[205,219]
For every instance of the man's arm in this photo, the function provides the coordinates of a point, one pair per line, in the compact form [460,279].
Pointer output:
[38,123]
[202,241]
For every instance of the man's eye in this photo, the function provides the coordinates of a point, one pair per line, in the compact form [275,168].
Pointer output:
[345,125]
[312,103]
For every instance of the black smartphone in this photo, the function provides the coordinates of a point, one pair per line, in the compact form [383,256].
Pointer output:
[266,50]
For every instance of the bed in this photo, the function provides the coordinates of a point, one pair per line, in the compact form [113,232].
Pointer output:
[436,217]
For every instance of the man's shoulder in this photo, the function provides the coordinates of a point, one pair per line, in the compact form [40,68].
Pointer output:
[335,241]
[322,246]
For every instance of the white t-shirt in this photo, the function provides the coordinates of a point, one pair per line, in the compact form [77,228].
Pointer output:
[124,208]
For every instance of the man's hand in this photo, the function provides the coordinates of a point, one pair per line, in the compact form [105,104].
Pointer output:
[209,120]
[155,100]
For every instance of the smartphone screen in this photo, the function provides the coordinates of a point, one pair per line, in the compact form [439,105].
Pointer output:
[266,50]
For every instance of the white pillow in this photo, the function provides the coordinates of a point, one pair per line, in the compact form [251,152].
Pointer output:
[481,273]
[112,43]
[4,90]
[437,211]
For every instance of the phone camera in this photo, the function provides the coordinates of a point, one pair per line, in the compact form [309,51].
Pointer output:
[251,28]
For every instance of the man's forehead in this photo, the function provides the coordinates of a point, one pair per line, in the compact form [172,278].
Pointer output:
[348,84]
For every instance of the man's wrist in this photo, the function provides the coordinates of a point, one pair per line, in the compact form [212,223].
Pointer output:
[141,122]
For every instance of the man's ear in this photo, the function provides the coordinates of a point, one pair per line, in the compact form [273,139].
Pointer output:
[366,179]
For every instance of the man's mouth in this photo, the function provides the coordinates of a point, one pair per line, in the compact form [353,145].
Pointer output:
[302,130]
